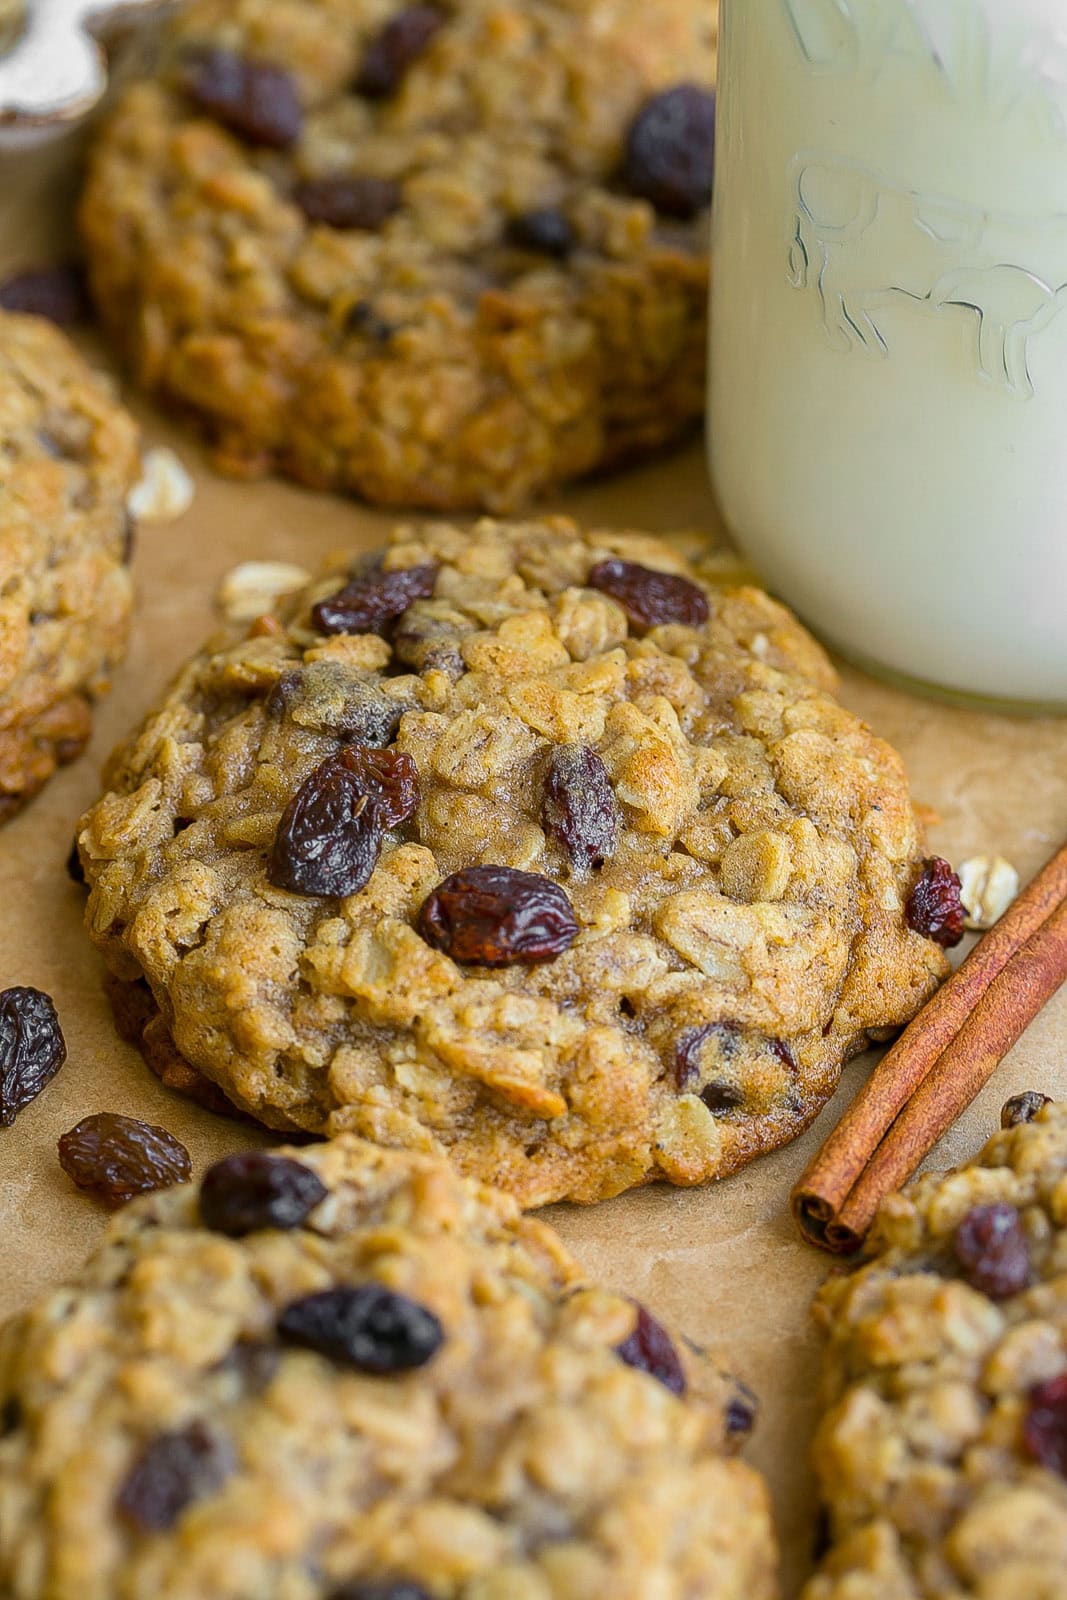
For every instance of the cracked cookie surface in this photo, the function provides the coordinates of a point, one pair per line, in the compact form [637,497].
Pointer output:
[681,864]
[68,457]
[942,1457]
[342,1372]
[411,264]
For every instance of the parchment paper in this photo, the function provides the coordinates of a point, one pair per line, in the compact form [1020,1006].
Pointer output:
[722,1261]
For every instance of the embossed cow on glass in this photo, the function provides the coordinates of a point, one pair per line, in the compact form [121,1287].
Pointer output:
[865,244]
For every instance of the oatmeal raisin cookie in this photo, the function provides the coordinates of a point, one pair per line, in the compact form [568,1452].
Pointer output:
[522,843]
[68,457]
[344,1373]
[445,256]
[943,1454]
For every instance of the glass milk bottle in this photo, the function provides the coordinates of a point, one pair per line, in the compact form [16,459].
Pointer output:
[888,406]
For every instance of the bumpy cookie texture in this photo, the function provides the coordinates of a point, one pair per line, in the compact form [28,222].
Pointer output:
[645,898]
[68,457]
[408,251]
[343,1371]
[943,1453]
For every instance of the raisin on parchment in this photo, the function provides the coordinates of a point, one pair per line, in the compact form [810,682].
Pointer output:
[650,1349]
[115,1157]
[1022,1107]
[243,1193]
[648,597]
[498,917]
[371,1328]
[32,1049]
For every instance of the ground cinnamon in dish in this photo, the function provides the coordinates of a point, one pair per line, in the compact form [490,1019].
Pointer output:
[938,1065]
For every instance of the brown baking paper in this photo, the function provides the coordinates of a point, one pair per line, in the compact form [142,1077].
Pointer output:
[723,1262]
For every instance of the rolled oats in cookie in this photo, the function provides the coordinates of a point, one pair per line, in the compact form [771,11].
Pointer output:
[942,1454]
[586,887]
[342,1371]
[442,255]
[68,458]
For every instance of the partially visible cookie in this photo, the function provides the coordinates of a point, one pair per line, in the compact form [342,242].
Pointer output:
[441,255]
[343,1373]
[521,843]
[68,457]
[942,1457]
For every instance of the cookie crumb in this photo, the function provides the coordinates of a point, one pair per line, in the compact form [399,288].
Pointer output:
[164,491]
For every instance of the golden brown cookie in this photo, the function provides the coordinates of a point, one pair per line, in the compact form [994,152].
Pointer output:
[942,1457]
[68,458]
[527,845]
[343,1373]
[445,256]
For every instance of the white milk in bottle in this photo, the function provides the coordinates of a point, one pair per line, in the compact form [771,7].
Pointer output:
[888,408]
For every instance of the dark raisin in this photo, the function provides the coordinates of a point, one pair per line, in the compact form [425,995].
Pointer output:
[57,293]
[369,604]
[1023,1108]
[579,809]
[171,1472]
[993,1251]
[129,539]
[381,1589]
[253,1363]
[392,51]
[367,323]
[670,150]
[10,1416]
[650,1348]
[498,917]
[934,906]
[329,835]
[648,597]
[285,693]
[352,202]
[75,870]
[687,1050]
[785,1055]
[389,776]
[722,1096]
[115,1157]
[741,1411]
[1045,1425]
[370,1328]
[32,1049]
[245,1192]
[822,1535]
[545,231]
[254,99]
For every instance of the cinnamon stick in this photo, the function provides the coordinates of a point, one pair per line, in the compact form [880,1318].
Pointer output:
[821,1196]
